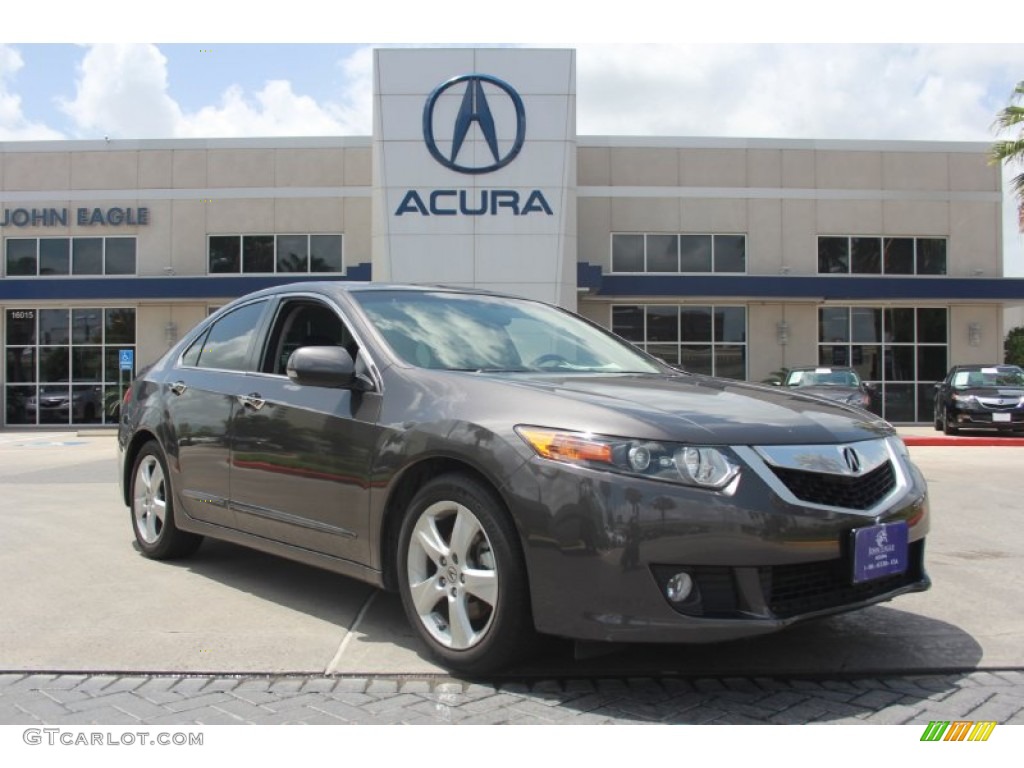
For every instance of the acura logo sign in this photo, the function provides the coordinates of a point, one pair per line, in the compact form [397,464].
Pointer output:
[447,140]
[852,460]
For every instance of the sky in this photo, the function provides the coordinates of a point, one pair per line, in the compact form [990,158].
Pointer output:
[752,70]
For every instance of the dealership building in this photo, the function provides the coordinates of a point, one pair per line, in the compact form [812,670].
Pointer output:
[733,257]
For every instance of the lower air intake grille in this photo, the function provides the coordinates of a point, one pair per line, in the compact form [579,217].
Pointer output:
[791,590]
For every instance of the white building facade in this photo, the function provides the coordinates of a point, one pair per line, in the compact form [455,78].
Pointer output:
[725,256]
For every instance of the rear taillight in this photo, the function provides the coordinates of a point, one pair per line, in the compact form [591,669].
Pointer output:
[127,395]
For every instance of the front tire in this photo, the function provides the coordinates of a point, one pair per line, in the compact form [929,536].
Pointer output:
[462,578]
[156,533]
[948,428]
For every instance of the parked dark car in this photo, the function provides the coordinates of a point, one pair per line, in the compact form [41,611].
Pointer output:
[512,469]
[980,397]
[842,384]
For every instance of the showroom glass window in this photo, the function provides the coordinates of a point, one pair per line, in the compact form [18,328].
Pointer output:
[903,350]
[270,254]
[881,255]
[43,256]
[63,364]
[699,339]
[678,253]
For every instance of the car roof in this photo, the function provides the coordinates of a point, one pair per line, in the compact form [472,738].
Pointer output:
[822,368]
[355,286]
[986,366]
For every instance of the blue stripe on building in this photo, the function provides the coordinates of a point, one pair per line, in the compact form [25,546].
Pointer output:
[162,287]
[821,287]
[590,277]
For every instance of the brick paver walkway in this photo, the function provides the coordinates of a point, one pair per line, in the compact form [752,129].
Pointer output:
[78,699]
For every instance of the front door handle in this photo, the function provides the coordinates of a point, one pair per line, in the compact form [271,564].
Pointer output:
[178,387]
[252,400]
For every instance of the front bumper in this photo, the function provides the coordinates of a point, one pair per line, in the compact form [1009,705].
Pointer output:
[986,418]
[600,549]
[49,412]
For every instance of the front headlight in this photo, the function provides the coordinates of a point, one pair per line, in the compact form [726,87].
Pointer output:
[859,399]
[704,466]
[964,399]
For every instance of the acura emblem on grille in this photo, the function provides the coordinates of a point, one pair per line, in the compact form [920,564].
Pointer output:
[852,460]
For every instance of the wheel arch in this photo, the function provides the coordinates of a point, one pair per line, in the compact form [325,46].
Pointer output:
[407,486]
[131,452]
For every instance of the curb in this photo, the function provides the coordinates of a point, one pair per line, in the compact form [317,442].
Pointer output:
[985,442]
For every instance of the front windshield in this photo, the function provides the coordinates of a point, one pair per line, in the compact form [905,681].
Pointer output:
[823,377]
[454,331]
[989,377]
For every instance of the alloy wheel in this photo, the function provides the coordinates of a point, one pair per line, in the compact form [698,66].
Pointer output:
[452,575]
[150,502]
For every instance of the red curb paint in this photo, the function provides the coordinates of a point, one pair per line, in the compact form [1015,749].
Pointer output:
[964,441]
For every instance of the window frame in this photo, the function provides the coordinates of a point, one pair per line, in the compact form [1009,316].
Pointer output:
[91,356]
[888,349]
[274,259]
[680,343]
[70,240]
[714,270]
[916,255]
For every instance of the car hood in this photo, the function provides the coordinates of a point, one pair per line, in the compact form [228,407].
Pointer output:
[832,392]
[689,408]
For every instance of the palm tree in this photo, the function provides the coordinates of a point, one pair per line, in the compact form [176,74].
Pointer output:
[1011,118]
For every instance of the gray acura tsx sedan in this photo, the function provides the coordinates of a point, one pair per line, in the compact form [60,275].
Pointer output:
[513,471]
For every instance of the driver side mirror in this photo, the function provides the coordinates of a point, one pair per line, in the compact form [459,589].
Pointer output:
[331,367]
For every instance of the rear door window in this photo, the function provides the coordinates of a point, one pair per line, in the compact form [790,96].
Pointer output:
[228,344]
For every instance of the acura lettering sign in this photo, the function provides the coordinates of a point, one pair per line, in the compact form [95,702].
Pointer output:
[503,133]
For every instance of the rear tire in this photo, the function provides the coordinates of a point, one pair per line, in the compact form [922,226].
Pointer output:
[462,577]
[152,510]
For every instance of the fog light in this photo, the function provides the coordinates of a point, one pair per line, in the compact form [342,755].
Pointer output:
[679,587]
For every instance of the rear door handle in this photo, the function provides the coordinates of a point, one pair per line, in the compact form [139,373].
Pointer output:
[178,387]
[252,400]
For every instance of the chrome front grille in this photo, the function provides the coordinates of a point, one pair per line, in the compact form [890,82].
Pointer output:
[999,403]
[839,490]
[860,476]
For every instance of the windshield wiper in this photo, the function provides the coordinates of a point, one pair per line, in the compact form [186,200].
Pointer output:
[490,370]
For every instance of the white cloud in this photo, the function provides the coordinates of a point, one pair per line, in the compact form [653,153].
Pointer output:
[793,91]
[355,100]
[14,126]
[276,110]
[121,92]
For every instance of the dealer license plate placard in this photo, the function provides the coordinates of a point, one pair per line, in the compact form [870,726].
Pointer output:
[879,550]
